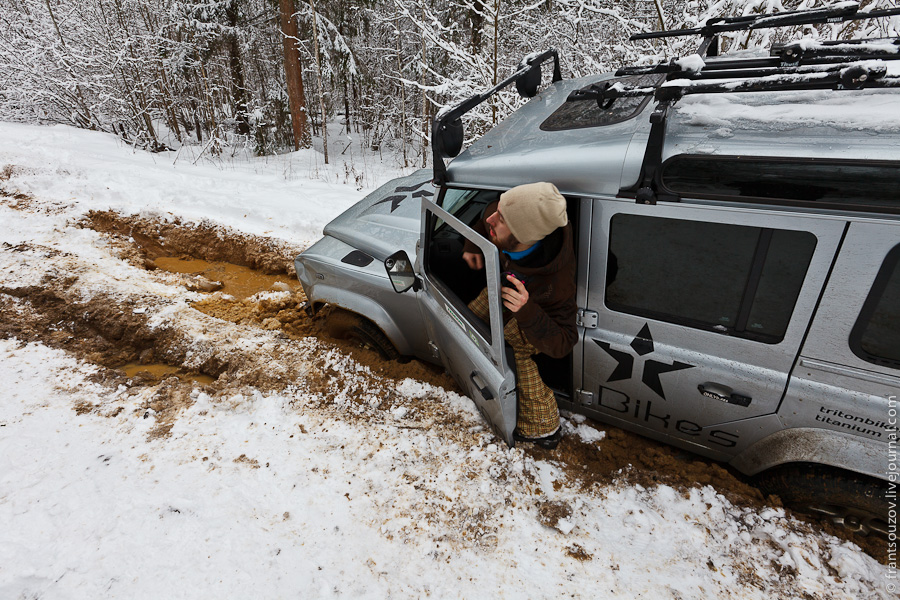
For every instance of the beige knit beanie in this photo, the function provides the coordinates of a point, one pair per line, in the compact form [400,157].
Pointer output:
[533,211]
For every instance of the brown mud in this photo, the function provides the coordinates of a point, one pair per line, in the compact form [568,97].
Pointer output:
[231,279]
[114,332]
[160,371]
[206,241]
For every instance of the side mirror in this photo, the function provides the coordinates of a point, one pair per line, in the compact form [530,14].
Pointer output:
[450,138]
[400,271]
[527,84]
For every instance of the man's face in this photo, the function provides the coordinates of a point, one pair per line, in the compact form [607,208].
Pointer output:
[500,234]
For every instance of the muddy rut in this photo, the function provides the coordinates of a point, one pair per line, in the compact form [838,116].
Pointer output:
[239,329]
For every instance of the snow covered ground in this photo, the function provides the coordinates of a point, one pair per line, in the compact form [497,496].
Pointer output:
[339,484]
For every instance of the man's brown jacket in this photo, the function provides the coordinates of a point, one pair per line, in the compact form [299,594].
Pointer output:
[548,318]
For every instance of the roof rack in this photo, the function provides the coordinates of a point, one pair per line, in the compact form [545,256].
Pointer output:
[447,129]
[806,65]
[837,13]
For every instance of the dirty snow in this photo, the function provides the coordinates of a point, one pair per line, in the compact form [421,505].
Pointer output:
[295,495]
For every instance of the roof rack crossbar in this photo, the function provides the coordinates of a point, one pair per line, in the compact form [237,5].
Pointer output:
[844,11]
[784,55]
[648,188]
[845,76]
[803,65]
[446,130]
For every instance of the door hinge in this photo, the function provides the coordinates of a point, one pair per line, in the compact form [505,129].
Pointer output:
[584,397]
[589,319]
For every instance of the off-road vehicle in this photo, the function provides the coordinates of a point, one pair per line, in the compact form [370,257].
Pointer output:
[737,227]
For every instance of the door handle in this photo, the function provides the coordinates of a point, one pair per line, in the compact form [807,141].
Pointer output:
[723,393]
[481,386]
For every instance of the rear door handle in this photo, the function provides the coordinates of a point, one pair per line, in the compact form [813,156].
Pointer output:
[723,393]
[481,386]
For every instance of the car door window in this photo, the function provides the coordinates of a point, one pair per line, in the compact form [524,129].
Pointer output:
[876,335]
[446,243]
[729,278]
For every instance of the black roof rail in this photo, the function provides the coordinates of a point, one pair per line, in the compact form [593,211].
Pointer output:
[843,11]
[447,129]
[785,55]
[832,65]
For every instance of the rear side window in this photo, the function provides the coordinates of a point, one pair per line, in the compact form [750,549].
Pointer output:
[587,113]
[733,279]
[876,335]
[855,185]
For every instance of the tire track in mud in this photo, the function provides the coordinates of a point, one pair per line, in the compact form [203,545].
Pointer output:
[252,343]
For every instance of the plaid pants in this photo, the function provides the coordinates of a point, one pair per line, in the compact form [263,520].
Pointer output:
[538,414]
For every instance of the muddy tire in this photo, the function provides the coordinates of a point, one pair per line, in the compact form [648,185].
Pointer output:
[345,325]
[851,501]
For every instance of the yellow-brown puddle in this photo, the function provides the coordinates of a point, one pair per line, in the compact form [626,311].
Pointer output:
[240,282]
[161,371]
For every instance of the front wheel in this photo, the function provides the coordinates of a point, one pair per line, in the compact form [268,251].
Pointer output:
[345,325]
[852,501]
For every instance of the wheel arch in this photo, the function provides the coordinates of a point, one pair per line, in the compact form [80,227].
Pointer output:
[810,445]
[366,308]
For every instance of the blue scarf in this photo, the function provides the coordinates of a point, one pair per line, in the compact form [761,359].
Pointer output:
[523,253]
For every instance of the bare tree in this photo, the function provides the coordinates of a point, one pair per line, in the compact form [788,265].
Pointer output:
[322,113]
[228,72]
[293,70]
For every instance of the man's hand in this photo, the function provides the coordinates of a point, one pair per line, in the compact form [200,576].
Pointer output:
[514,298]
[474,260]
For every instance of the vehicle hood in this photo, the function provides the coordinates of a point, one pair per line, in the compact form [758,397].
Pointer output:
[388,219]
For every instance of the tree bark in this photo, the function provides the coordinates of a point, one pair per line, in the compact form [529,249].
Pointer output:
[237,71]
[315,17]
[402,96]
[495,57]
[292,72]
[424,97]
[476,18]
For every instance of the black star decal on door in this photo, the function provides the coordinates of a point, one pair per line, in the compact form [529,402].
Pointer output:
[653,369]
[643,342]
[642,345]
[395,200]
[625,362]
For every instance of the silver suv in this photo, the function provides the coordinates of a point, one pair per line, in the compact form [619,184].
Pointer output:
[737,236]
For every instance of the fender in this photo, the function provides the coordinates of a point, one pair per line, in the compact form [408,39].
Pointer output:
[807,444]
[363,306]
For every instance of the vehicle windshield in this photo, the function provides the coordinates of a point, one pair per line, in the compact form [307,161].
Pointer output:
[454,199]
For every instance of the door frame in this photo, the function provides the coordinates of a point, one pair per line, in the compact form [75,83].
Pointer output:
[479,363]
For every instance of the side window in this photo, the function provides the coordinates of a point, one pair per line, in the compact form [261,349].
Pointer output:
[876,336]
[729,278]
[443,257]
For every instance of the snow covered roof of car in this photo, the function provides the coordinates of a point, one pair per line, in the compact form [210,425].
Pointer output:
[857,124]
[824,111]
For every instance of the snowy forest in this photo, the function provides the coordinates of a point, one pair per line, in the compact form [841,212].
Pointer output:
[265,74]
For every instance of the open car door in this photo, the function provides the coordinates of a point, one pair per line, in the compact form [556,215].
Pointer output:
[473,351]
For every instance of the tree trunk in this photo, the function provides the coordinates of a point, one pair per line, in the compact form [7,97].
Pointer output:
[402,97]
[476,17]
[292,70]
[496,57]
[424,97]
[312,7]
[346,107]
[168,99]
[237,71]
